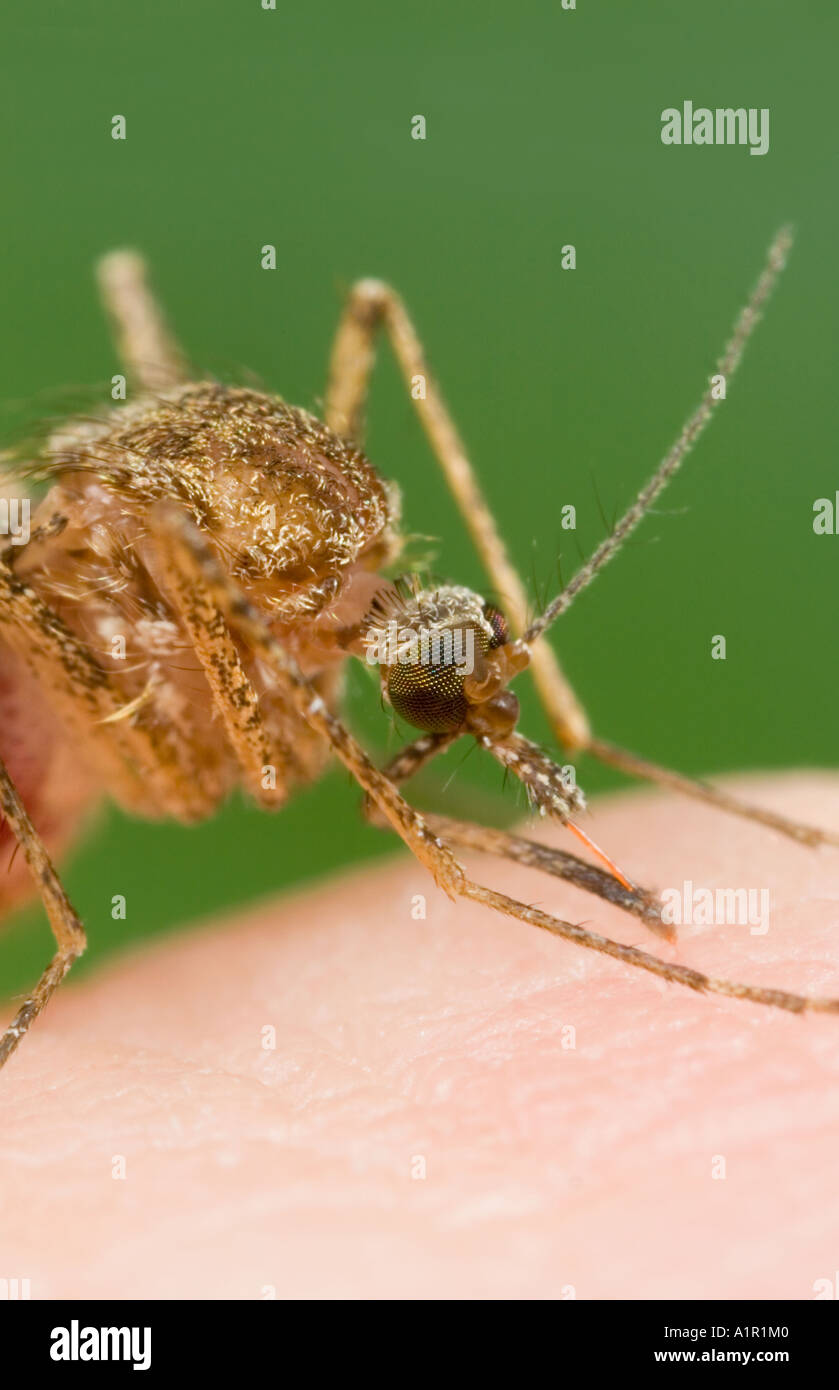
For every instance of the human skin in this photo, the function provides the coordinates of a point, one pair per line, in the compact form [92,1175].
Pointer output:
[569,1114]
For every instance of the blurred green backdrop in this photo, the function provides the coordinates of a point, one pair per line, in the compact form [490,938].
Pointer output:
[248,126]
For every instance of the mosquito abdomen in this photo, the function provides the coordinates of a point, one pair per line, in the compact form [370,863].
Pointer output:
[52,782]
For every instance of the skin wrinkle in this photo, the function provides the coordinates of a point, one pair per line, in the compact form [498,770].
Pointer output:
[546,1166]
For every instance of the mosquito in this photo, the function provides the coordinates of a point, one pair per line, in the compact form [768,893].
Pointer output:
[203,564]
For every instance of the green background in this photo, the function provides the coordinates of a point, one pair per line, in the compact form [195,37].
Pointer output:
[292,127]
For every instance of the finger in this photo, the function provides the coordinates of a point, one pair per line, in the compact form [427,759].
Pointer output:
[367,1091]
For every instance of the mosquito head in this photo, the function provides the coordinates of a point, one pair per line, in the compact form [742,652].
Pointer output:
[445,658]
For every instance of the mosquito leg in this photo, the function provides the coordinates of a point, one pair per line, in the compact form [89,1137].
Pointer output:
[631,955]
[404,765]
[202,580]
[373,304]
[641,902]
[202,570]
[416,755]
[137,762]
[66,926]
[149,352]
[712,796]
[233,692]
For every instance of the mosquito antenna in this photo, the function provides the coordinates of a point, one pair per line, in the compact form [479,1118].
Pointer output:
[775,261]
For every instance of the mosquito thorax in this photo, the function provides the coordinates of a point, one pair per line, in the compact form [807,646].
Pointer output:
[290,506]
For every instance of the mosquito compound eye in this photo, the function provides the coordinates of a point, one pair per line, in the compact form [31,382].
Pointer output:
[499,625]
[429,693]
[429,697]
